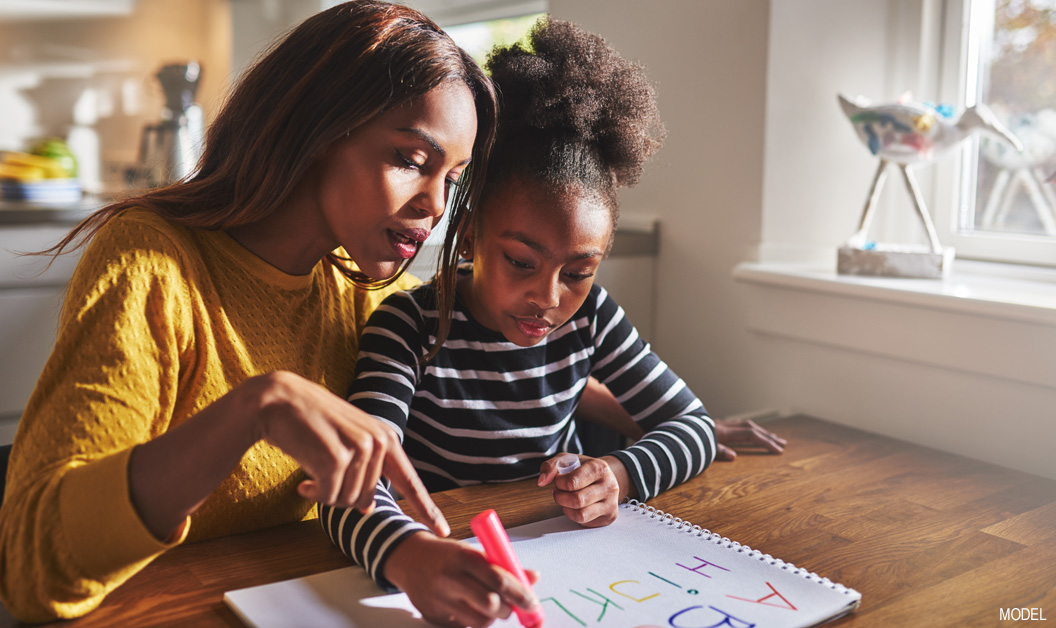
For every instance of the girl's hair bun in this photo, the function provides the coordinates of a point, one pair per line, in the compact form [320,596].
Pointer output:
[567,87]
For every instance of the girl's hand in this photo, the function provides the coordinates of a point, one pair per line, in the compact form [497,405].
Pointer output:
[452,584]
[343,450]
[745,433]
[591,494]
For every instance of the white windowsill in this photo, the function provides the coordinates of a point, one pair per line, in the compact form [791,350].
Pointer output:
[1019,293]
[985,319]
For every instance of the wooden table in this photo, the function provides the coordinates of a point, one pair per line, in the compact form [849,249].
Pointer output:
[928,538]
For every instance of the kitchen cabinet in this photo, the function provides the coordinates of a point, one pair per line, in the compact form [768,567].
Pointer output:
[63,9]
[30,299]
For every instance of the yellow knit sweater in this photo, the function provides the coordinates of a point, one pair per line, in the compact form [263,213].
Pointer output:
[158,322]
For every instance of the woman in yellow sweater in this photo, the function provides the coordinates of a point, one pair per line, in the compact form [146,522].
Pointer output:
[195,389]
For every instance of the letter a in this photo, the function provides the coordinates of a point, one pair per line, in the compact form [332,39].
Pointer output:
[763,599]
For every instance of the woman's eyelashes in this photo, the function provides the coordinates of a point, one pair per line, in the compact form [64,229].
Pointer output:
[409,163]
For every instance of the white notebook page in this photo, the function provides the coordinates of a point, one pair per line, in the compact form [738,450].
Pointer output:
[646,569]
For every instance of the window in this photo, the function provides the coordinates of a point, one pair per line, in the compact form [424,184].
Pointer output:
[999,204]
[479,25]
[478,38]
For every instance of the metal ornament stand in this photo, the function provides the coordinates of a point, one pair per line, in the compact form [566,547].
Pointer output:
[863,257]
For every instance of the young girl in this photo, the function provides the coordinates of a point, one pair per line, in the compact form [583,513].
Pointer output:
[496,402]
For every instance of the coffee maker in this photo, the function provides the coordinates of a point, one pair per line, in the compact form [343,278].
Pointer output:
[169,150]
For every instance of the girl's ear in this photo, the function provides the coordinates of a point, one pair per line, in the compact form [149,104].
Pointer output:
[466,250]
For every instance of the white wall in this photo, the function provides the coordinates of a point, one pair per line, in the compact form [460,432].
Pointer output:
[257,24]
[808,140]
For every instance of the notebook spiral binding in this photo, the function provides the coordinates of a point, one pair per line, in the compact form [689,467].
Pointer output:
[680,524]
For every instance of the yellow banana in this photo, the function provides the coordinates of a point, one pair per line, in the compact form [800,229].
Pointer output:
[21,173]
[51,168]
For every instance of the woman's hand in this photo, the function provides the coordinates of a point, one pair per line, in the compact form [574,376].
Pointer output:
[591,494]
[452,584]
[342,449]
[745,433]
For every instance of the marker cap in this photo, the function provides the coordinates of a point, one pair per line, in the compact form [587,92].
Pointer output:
[567,464]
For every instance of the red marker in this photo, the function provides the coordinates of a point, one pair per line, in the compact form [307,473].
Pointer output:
[497,548]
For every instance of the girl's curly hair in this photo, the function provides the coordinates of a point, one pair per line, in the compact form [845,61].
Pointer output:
[573,112]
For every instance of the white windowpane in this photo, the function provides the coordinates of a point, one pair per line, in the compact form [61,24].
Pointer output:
[1016,77]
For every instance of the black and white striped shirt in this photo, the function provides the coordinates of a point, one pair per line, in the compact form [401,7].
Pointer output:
[487,410]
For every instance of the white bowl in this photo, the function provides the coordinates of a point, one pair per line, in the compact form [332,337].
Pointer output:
[48,191]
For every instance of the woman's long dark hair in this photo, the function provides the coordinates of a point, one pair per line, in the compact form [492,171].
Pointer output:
[336,71]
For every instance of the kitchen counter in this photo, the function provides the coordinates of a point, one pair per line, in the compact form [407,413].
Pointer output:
[15,213]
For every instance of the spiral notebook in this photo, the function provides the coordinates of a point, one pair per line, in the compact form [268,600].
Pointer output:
[649,568]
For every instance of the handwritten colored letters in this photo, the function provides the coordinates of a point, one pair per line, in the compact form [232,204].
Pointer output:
[689,593]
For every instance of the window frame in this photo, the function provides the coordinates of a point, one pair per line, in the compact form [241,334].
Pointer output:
[953,198]
[448,13]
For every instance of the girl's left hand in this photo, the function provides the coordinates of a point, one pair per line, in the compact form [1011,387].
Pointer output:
[745,433]
[591,494]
